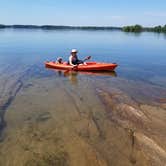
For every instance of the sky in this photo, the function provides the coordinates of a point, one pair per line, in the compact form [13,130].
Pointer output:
[83,12]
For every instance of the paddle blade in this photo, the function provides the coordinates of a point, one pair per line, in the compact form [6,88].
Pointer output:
[87,58]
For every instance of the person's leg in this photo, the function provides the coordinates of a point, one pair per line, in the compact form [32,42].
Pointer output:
[74,62]
[80,62]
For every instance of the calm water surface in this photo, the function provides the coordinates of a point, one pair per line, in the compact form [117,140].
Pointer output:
[140,56]
[67,102]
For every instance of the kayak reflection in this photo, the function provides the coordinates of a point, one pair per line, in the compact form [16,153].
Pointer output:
[72,75]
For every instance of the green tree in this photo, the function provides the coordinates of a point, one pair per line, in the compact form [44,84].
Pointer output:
[138,28]
[126,29]
[158,29]
[2,26]
[164,28]
[135,28]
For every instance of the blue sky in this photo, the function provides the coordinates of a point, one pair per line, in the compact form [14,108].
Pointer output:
[83,12]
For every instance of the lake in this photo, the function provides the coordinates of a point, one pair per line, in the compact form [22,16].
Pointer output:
[50,117]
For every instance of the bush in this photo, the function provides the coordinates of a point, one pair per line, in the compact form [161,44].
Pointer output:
[135,28]
[164,28]
[158,29]
[2,26]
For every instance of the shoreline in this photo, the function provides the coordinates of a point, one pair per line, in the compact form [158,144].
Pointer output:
[54,27]
[132,29]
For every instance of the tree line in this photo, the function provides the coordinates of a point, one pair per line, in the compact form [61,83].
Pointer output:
[133,28]
[54,27]
[139,28]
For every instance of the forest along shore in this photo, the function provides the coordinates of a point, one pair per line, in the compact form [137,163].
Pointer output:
[133,28]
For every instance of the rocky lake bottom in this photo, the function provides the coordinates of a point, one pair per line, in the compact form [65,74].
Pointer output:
[54,118]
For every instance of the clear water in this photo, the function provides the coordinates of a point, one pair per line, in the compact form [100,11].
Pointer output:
[47,116]
[140,56]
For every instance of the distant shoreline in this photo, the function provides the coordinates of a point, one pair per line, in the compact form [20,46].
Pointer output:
[54,27]
[133,28]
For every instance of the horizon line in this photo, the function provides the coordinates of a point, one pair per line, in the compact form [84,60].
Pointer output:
[101,26]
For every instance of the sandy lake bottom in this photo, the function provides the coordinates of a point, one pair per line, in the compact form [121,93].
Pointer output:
[79,119]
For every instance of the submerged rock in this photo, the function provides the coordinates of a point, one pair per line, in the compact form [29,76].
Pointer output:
[156,155]
[145,123]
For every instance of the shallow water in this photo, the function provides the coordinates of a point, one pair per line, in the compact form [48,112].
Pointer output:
[51,117]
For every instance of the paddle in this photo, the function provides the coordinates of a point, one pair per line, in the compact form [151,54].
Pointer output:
[87,58]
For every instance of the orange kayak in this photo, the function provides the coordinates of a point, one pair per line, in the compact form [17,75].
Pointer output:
[89,66]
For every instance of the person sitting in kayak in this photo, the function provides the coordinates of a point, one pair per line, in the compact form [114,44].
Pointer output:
[73,59]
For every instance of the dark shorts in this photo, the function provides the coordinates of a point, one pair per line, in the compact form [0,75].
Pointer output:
[77,62]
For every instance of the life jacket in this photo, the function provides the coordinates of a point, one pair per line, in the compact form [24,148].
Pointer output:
[74,60]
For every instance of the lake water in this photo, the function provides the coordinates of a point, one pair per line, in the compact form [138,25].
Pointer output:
[140,56]
[54,118]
